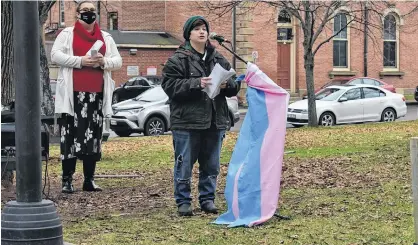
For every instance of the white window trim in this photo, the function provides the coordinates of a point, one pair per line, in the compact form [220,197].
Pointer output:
[285,25]
[399,22]
[111,20]
[348,68]
[293,43]
[62,13]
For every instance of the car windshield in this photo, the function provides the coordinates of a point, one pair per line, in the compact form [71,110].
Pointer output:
[329,94]
[335,82]
[155,80]
[152,95]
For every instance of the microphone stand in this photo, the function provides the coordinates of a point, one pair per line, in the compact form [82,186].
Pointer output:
[232,52]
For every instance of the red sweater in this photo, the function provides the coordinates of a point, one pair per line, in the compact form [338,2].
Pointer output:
[87,79]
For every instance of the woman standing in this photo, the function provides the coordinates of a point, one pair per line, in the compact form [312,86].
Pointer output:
[83,94]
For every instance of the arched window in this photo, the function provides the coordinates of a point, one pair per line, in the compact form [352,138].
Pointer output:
[284,17]
[390,42]
[284,26]
[340,41]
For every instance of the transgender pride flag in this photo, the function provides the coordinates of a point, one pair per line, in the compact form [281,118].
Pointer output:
[254,173]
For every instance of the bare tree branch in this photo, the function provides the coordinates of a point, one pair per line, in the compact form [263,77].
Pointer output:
[315,17]
[331,37]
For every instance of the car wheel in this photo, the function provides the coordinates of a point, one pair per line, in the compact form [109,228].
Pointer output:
[154,126]
[297,125]
[327,119]
[115,99]
[388,115]
[126,133]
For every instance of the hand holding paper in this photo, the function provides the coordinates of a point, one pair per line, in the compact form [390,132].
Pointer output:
[218,75]
[94,50]
[223,84]
[205,81]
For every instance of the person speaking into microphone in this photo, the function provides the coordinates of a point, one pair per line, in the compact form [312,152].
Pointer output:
[198,123]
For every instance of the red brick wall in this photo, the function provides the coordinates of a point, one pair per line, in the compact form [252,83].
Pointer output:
[265,39]
[143,15]
[170,16]
[177,12]
[408,54]
[143,59]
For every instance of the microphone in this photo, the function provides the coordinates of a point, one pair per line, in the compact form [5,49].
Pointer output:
[218,38]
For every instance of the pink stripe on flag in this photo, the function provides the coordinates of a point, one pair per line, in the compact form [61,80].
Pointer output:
[271,155]
[235,207]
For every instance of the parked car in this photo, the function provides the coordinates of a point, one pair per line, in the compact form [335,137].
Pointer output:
[149,113]
[134,87]
[355,81]
[350,104]
[416,93]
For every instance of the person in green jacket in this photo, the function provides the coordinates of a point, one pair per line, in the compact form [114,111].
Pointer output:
[198,123]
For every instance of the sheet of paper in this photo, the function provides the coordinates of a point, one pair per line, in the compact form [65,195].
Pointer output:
[96,46]
[95,49]
[218,75]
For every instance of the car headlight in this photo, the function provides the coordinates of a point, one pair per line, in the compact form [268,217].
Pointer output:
[304,111]
[131,110]
[134,111]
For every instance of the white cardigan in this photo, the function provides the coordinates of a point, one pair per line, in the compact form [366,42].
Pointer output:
[62,54]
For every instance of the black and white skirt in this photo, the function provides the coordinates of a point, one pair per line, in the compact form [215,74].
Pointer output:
[81,134]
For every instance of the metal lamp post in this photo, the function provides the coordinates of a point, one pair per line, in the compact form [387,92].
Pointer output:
[29,219]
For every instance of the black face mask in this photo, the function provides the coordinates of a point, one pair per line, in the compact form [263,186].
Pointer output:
[88,17]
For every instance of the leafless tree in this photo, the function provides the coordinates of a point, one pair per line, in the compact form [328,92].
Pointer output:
[314,18]
[7,81]
[7,62]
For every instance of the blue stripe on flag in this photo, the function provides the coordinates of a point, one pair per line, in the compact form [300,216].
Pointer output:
[247,154]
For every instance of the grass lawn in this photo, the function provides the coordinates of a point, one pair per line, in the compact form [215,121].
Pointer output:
[342,185]
[409,97]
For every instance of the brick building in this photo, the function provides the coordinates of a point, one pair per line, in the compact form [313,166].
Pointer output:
[148,32]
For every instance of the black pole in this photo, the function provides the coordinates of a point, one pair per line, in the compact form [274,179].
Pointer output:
[98,13]
[365,51]
[234,35]
[28,105]
[232,52]
[29,220]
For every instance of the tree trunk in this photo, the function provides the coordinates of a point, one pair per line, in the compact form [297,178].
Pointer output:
[47,103]
[309,62]
[7,82]
[309,71]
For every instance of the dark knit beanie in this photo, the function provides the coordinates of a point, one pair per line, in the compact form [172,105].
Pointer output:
[187,28]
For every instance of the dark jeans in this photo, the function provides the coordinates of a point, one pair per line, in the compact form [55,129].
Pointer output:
[189,146]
